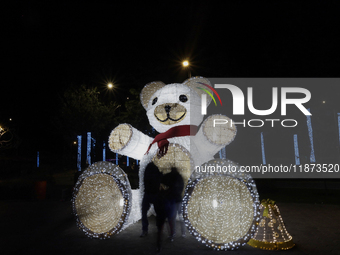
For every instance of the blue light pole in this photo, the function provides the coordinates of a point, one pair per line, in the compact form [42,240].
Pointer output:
[88,150]
[310,134]
[296,150]
[79,153]
[223,153]
[104,151]
[38,159]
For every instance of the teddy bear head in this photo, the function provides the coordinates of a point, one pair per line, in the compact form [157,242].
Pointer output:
[175,104]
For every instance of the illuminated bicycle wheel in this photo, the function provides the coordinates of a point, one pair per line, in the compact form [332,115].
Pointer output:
[221,208]
[102,200]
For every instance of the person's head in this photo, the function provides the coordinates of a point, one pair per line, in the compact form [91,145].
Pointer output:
[174,170]
[151,168]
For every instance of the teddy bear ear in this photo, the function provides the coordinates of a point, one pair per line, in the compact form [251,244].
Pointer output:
[148,90]
[199,84]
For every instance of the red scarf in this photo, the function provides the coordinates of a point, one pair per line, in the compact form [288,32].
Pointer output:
[177,131]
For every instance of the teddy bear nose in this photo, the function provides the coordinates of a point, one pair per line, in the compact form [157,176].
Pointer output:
[167,108]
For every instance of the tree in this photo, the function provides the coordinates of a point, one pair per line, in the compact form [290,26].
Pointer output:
[82,111]
[133,113]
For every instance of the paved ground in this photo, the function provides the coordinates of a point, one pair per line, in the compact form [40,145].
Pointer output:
[310,211]
[48,227]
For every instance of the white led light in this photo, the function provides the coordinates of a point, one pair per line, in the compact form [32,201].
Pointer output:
[214,203]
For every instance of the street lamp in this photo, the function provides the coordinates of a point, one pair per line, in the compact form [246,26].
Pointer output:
[185,64]
[110,85]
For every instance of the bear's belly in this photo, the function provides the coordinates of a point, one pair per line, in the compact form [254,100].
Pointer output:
[177,156]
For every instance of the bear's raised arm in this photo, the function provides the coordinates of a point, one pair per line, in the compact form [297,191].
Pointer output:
[128,141]
[216,132]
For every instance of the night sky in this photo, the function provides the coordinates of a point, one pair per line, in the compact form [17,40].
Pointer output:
[51,46]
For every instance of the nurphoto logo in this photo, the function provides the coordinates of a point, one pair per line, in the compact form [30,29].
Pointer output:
[239,104]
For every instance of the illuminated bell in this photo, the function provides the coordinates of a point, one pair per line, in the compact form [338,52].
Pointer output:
[271,233]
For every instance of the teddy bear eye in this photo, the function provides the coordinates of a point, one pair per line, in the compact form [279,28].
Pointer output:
[154,100]
[183,98]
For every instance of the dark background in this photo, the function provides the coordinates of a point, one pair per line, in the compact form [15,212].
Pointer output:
[48,47]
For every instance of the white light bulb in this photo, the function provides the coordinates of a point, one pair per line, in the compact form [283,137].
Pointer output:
[214,203]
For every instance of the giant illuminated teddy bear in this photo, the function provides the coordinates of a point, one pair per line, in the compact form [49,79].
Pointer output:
[175,111]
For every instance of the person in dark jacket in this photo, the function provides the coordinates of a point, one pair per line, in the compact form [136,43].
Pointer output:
[152,178]
[170,199]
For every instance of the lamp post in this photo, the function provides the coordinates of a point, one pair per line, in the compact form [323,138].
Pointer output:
[186,65]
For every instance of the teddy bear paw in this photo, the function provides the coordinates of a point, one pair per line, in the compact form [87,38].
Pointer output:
[219,129]
[120,137]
